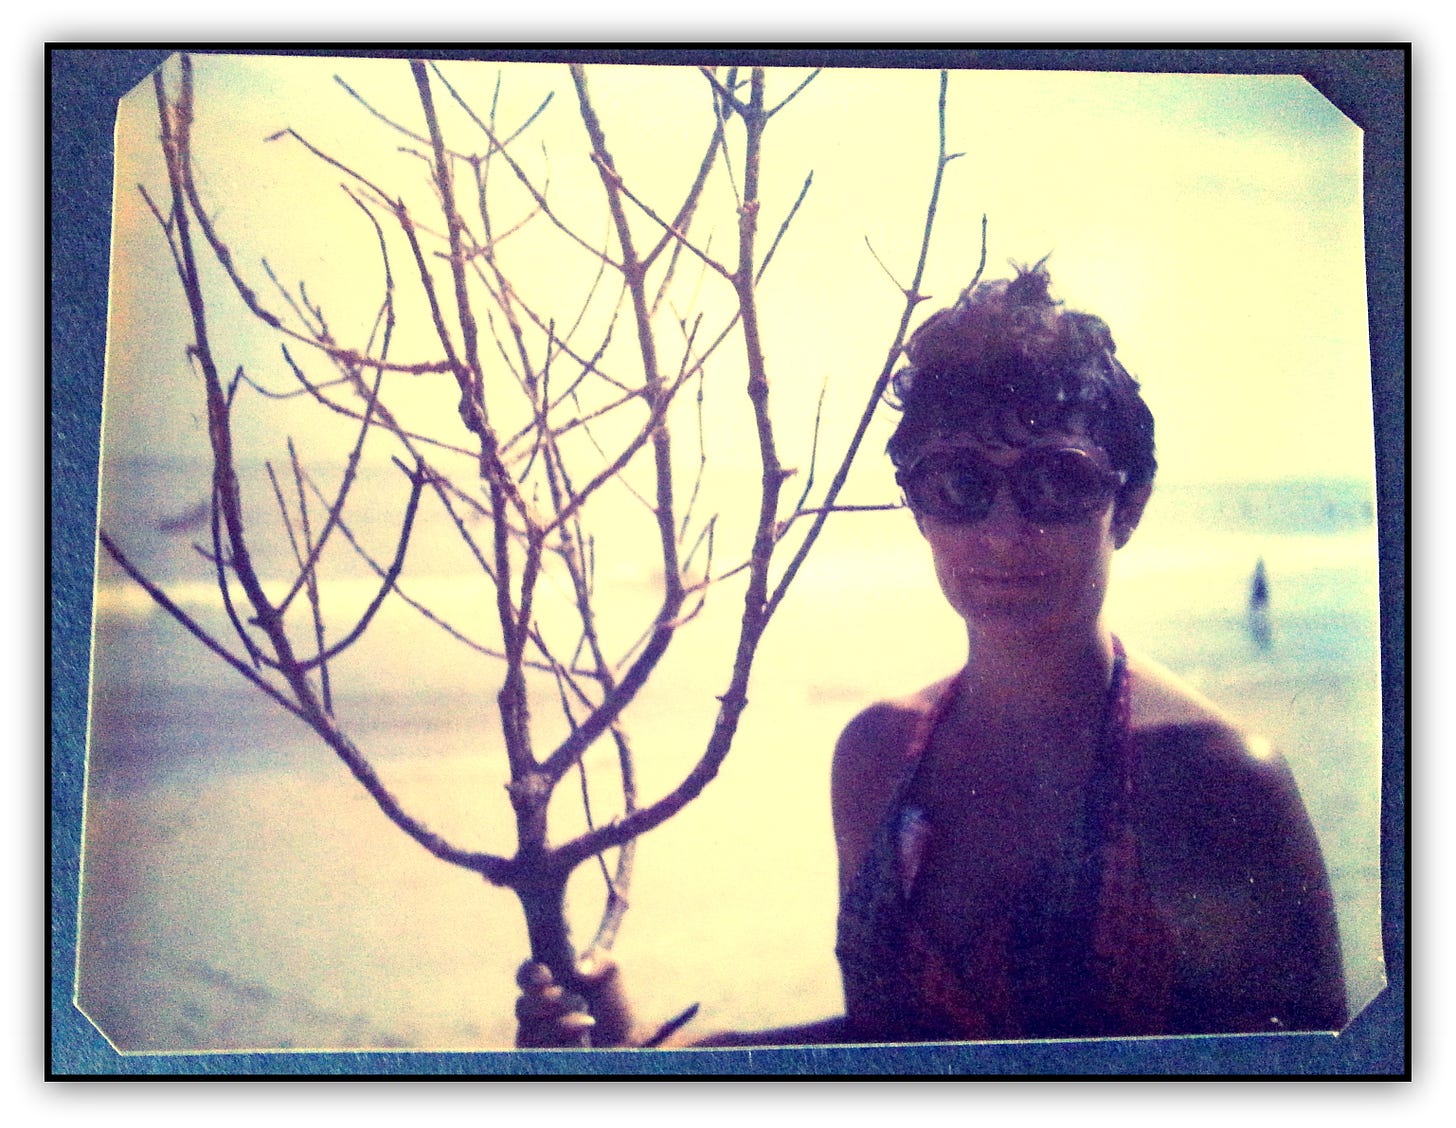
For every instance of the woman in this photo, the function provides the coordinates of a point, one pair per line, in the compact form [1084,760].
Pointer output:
[1063,839]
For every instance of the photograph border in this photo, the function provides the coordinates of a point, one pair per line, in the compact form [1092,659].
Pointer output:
[1369,82]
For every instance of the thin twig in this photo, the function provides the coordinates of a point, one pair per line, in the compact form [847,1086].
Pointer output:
[311,571]
[913,297]
[784,227]
[794,93]
[351,470]
[165,602]
[669,229]
[671,1027]
[390,577]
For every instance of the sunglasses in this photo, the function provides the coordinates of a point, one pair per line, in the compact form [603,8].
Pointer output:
[1052,486]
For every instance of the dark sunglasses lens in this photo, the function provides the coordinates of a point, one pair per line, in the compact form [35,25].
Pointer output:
[1061,485]
[952,489]
[1051,486]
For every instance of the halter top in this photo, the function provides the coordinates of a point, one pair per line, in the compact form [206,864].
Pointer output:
[1085,953]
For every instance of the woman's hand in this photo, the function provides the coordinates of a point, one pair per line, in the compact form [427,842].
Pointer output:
[594,1012]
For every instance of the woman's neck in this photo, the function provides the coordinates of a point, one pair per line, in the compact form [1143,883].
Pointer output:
[1016,673]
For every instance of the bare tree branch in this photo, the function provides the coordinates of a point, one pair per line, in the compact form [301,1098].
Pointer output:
[559,398]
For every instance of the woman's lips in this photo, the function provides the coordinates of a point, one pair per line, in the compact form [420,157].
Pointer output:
[997,577]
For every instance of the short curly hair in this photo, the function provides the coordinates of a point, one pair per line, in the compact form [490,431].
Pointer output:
[1008,350]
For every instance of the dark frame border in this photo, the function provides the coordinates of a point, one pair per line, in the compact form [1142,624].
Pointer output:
[1369,83]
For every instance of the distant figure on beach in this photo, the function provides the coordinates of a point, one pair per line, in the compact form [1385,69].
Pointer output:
[1259,625]
[1062,839]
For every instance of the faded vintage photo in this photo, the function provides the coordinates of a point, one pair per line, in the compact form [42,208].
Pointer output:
[620,555]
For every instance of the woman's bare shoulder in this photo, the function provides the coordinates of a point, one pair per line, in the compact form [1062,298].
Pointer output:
[869,762]
[889,722]
[870,751]
[1167,709]
[1201,763]
[1160,697]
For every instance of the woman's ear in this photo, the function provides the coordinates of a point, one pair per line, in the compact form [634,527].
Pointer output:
[1128,513]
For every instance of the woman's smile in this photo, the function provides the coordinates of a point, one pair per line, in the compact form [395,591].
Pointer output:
[1003,577]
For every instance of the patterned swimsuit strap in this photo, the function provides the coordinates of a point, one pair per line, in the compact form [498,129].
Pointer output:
[930,721]
[1115,747]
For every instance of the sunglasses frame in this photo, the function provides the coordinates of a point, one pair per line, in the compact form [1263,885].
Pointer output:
[1013,477]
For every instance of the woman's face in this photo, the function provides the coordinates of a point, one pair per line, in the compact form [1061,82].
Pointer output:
[1013,571]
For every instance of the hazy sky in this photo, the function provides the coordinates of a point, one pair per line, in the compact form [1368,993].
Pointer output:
[1213,221]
